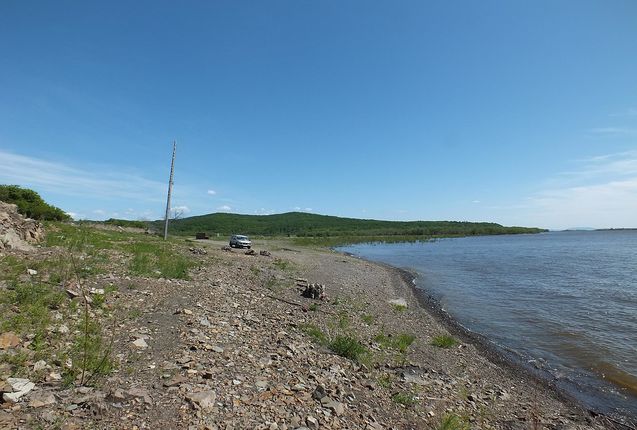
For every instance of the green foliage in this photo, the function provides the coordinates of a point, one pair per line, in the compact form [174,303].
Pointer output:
[401,342]
[385,380]
[31,204]
[398,307]
[314,332]
[157,259]
[313,307]
[126,223]
[404,398]
[348,347]
[321,227]
[282,264]
[91,352]
[453,422]
[368,318]
[444,341]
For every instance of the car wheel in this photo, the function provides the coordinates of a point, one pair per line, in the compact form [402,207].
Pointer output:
[248,247]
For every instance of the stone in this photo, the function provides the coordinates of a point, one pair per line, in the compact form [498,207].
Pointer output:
[175,380]
[399,302]
[203,399]
[337,407]
[312,422]
[9,340]
[39,365]
[140,393]
[319,392]
[42,399]
[20,387]
[54,376]
[32,272]
[72,293]
[140,343]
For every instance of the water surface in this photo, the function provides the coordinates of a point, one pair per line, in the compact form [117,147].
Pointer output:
[564,302]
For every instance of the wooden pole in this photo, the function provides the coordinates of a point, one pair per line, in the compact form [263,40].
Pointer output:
[170,191]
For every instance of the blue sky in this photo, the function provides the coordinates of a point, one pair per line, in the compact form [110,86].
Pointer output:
[522,113]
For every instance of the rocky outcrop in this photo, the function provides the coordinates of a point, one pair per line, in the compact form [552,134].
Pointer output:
[16,231]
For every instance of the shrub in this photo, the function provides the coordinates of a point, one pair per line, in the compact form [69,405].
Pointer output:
[31,204]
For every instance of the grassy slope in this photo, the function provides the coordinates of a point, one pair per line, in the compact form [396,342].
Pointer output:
[312,225]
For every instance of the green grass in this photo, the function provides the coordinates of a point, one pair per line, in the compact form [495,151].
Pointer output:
[398,307]
[157,259]
[348,347]
[444,341]
[402,342]
[315,333]
[314,307]
[453,422]
[385,380]
[282,264]
[368,318]
[404,398]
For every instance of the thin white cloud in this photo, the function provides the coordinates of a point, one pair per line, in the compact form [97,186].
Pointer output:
[601,192]
[182,209]
[475,201]
[627,112]
[98,182]
[613,131]
[300,209]
[212,192]
[224,208]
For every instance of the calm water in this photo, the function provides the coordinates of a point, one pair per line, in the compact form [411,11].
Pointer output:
[565,302]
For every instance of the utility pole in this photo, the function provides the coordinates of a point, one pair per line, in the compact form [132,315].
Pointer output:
[170,191]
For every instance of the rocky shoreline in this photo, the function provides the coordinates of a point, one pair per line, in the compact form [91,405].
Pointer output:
[237,346]
[497,355]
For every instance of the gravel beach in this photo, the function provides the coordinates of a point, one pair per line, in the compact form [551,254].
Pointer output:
[237,346]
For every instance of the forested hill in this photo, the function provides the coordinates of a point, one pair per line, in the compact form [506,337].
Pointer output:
[311,225]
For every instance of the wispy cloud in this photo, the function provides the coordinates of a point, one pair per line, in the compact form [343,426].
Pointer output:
[98,182]
[224,208]
[627,112]
[613,131]
[600,192]
[212,192]
[181,209]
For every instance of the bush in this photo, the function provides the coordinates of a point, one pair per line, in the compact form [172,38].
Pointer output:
[30,204]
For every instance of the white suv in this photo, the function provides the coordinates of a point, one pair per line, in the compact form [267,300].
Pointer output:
[240,241]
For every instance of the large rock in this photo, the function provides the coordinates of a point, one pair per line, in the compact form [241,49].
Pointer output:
[204,399]
[20,388]
[16,231]
[9,340]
